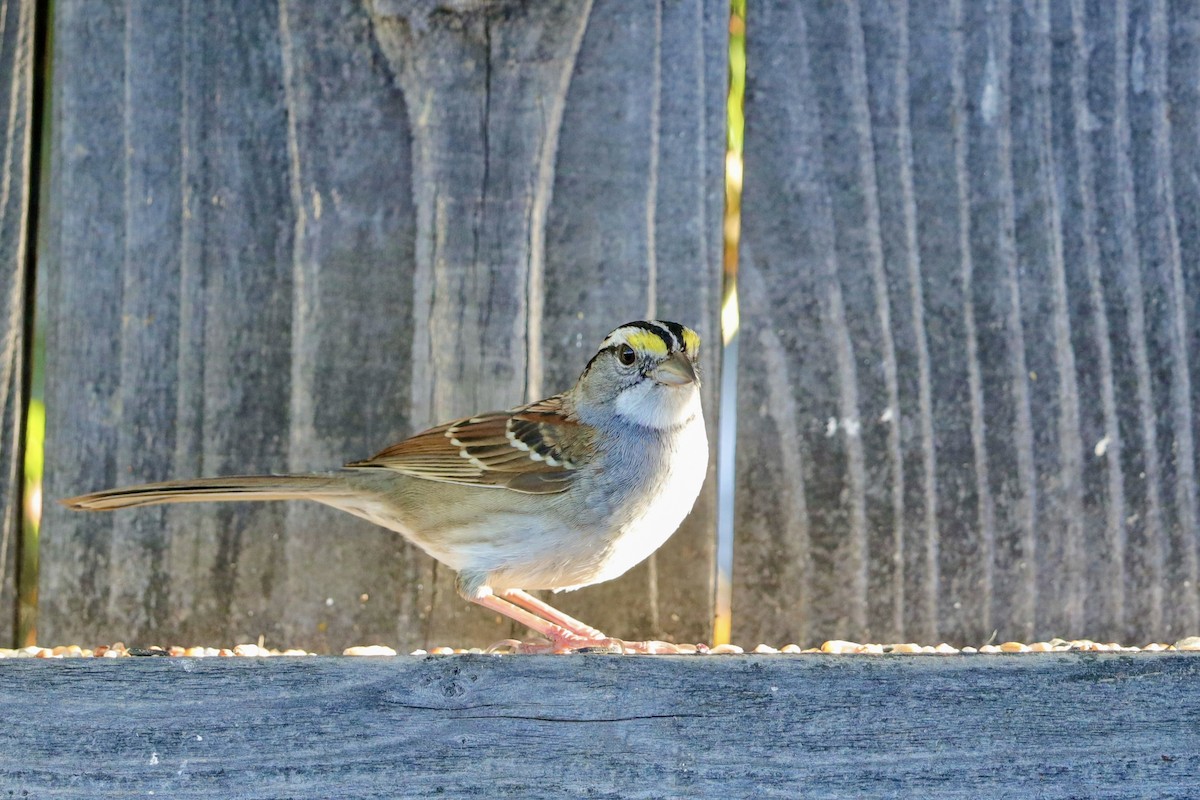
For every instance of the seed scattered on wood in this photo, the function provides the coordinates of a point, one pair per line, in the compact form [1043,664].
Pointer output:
[831,647]
[248,650]
[370,650]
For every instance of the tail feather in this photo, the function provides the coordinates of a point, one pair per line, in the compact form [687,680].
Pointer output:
[212,490]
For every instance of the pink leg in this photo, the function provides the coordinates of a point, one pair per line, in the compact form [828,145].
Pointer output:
[560,637]
[564,631]
[546,611]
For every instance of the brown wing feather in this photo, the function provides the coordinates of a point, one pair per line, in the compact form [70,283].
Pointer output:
[528,449]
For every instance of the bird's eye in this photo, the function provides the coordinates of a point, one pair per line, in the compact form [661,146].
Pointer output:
[626,355]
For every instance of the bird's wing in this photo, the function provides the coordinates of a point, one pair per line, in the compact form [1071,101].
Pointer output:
[527,449]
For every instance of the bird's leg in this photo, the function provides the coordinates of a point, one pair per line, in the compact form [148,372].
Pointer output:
[560,637]
[564,631]
[548,612]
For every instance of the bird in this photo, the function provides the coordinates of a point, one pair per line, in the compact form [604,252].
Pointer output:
[558,494]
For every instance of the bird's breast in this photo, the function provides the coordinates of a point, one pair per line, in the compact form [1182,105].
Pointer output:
[664,493]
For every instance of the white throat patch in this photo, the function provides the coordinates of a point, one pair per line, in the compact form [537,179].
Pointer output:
[656,406]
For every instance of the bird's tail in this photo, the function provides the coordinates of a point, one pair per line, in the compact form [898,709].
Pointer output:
[321,488]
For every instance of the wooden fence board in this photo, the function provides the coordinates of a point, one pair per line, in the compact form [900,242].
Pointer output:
[635,230]
[1050,726]
[969,393]
[16,138]
[285,235]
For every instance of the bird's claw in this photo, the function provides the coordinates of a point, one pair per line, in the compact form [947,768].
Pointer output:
[569,644]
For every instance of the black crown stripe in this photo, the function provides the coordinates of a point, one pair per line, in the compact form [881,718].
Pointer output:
[677,330]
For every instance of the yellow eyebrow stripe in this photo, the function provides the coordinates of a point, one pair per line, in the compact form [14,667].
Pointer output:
[646,342]
[691,340]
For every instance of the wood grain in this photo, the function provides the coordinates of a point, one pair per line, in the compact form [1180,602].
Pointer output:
[969,395]
[286,235]
[1051,726]
[635,232]
[16,193]
[486,121]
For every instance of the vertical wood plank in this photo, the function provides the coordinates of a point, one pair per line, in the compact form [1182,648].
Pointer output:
[170,280]
[888,43]
[1104,479]
[485,87]
[88,434]
[799,337]
[16,193]
[1174,314]
[1005,373]
[216,351]
[1182,123]
[1121,269]
[349,166]
[635,232]
[330,230]
[1050,361]
[1003,196]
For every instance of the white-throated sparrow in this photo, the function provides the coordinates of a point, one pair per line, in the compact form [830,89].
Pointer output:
[558,494]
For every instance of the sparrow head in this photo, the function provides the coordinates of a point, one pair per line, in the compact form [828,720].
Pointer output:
[646,372]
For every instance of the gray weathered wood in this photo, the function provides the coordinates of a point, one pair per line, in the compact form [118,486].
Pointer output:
[287,234]
[969,289]
[16,107]
[635,231]
[1047,726]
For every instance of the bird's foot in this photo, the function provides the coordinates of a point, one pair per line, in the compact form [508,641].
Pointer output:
[561,644]
[577,644]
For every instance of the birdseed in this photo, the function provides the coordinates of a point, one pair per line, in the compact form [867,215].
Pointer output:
[831,647]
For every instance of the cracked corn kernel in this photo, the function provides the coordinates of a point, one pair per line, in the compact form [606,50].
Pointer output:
[370,650]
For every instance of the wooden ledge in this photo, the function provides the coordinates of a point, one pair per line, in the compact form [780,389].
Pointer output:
[1046,725]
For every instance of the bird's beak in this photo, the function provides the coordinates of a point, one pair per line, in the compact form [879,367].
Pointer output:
[675,371]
